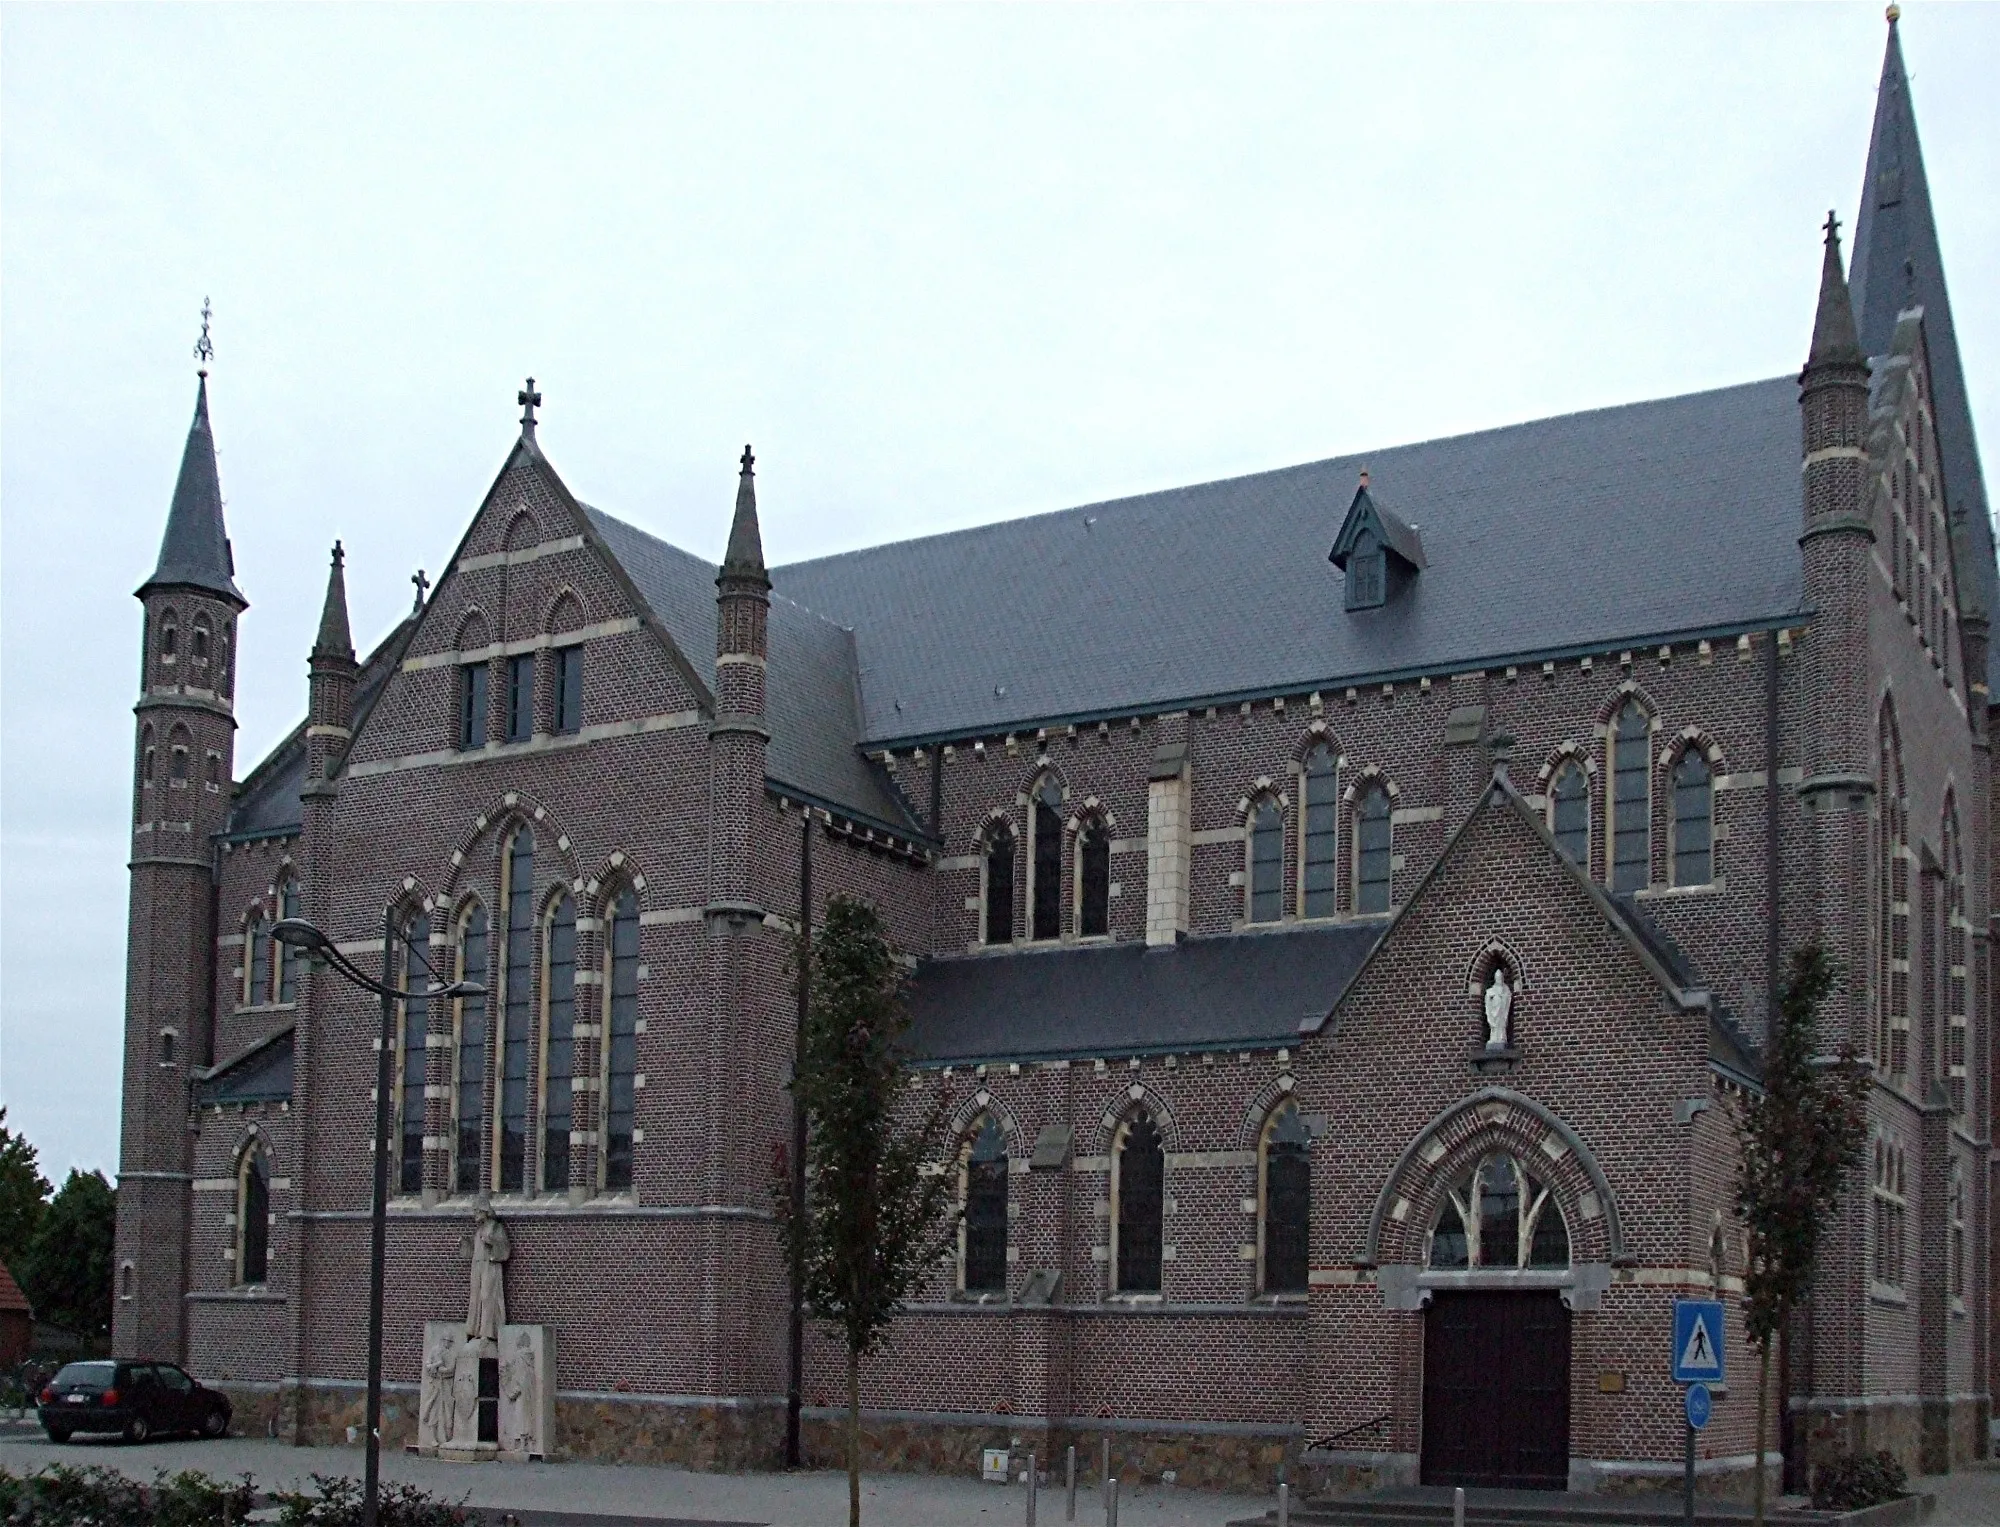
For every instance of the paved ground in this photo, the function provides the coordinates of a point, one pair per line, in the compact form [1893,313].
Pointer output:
[605,1495]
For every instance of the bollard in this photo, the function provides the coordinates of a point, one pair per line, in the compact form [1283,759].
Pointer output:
[1111,1504]
[1284,1504]
[1034,1482]
[1458,1506]
[1069,1481]
[1104,1474]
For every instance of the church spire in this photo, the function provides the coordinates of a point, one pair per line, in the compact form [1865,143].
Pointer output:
[335,640]
[1834,342]
[745,557]
[194,553]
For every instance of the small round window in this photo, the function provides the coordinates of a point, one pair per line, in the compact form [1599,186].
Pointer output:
[1499,1217]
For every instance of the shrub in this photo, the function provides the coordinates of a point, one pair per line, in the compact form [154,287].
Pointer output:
[336,1502]
[191,1499]
[61,1496]
[1848,1484]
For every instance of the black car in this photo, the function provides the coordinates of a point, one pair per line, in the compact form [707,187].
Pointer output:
[137,1400]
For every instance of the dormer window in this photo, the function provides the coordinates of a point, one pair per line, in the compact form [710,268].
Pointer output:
[1380,553]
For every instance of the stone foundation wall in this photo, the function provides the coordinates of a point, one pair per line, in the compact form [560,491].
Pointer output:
[622,1429]
[254,1408]
[1926,1436]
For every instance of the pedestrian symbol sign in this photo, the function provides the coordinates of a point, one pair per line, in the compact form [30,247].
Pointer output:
[1697,1354]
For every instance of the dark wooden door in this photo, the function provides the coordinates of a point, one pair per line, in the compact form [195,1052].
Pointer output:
[1496,1391]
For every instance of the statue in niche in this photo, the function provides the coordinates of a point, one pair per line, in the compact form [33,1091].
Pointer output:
[1499,1009]
[488,1247]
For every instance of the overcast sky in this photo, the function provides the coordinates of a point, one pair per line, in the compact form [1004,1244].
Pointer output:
[942,265]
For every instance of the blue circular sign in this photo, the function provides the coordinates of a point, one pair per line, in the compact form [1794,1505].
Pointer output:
[1700,1405]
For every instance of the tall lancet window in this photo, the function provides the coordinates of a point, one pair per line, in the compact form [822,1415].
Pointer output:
[1285,1168]
[1321,850]
[414,969]
[1569,812]
[518,1015]
[1139,1166]
[1047,887]
[558,1043]
[985,1223]
[621,1041]
[1093,881]
[1631,800]
[998,891]
[469,1085]
[291,960]
[1373,850]
[1694,806]
[1265,892]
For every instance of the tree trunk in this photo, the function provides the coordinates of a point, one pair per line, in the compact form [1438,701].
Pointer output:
[853,1438]
[1763,1412]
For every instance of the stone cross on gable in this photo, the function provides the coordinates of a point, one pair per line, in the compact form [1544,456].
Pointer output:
[423,586]
[530,400]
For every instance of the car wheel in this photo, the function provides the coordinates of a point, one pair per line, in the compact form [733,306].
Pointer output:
[138,1429]
[57,1434]
[215,1423]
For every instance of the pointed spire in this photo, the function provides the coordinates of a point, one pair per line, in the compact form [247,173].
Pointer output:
[194,553]
[334,640]
[745,557]
[1834,342]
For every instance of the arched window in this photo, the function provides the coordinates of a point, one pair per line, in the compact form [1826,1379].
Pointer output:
[1631,811]
[1569,812]
[200,639]
[147,752]
[1319,848]
[183,743]
[1093,881]
[1266,889]
[1139,1169]
[558,1042]
[414,969]
[998,891]
[256,960]
[1953,1057]
[984,1244]
[1891,1204]
[290,959]
[518,1013]
[1892,914]
[1284,1200]
[621,1042]
[1499,1217]
[1694,805]
[1046,886]
[168,1047]
[1372,843]
[214,771]
[253,1218]
[1955,1252]
[170,637]
[469,1055]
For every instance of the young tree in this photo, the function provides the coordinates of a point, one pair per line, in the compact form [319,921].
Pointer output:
[69,1265]
[24,1194]
[874,1223]
[1800,1139]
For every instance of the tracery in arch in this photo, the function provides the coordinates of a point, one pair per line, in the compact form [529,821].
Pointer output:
[1498,1216]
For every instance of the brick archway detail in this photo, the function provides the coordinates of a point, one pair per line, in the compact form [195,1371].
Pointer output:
[1495,1118]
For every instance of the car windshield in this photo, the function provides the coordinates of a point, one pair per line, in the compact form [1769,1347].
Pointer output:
[87,1375]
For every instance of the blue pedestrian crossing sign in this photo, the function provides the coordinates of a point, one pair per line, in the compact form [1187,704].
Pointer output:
[1698,1341]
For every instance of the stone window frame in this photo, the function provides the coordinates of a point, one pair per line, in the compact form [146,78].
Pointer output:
[257,945]
[1572,754]
[200,639]
[1139,1102]
[469,905]
[1888,1251]
[1628,698]
[1287,1102]
[251,1156]
[1891,922]
[562,617]
[411,1067]
[1369,780]
[128,1281]
[553,900]
[287,965]
[969,1136]
[1093,818]
[170,631]
[1953,1050]
[1692,742]
[1264,795]
[998,823]
[180,753]
[1032,806]
[621,883]
[1317,741]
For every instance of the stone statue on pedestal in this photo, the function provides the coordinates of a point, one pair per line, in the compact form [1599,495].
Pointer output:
[488,1247]
[1499,1010]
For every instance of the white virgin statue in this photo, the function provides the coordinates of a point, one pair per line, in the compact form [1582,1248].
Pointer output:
[1499,1009]
[486,1310]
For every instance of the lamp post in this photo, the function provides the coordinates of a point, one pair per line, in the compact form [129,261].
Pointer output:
[297,933]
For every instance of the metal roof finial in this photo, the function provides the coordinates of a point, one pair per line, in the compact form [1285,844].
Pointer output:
[204,348]
[1894,13]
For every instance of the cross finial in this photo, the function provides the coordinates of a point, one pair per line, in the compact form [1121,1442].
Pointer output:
[530,400]
[1831,226]
[423,584]
[748,462]
[204,348]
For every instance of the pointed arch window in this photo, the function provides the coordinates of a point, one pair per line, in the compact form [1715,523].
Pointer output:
[1319,848]
[1093,881]
[1569,812]
[1631,800]
[1284,1167]
[517,1015]
[998,891]
[199,643]
[984,1228]
[1953,1058]
[1892,914]
[1498,1216]
[1955,1250]
[1046,886]
[291,960]
[1694,828]
[1373,844]
[148,750]
[469,1055]
[1139,1170]
[558,1042]
[253,1218]
[1891,1204]
[256,960]
[170,637]
[1266,877]
[621,1041]
[414,972]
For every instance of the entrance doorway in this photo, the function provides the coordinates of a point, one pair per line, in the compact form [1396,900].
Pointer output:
[1496,1390]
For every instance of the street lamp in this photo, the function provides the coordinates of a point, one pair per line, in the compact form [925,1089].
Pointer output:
[297,933]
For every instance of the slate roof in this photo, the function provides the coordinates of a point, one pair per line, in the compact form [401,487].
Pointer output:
[261,1074]
[812,700]
[1223,589]
[1227,992]
[195,553]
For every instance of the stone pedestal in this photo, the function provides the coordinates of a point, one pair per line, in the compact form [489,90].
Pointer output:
[482,1400]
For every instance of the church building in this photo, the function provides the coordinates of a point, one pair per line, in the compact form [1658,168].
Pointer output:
[1344,906]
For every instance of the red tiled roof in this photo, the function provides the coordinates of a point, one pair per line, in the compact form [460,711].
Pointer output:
[11,1297]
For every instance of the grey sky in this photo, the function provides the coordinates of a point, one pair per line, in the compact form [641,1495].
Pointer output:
[942,265]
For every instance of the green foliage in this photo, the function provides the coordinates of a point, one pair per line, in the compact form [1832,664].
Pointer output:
[24,1194]
[336,1502]
[1800,1140]
[193,1499]
[67,1271]
[1848,1484]
[875,1223]
[61,1496]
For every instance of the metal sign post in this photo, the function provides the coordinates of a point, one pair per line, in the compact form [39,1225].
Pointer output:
[1697,1362]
